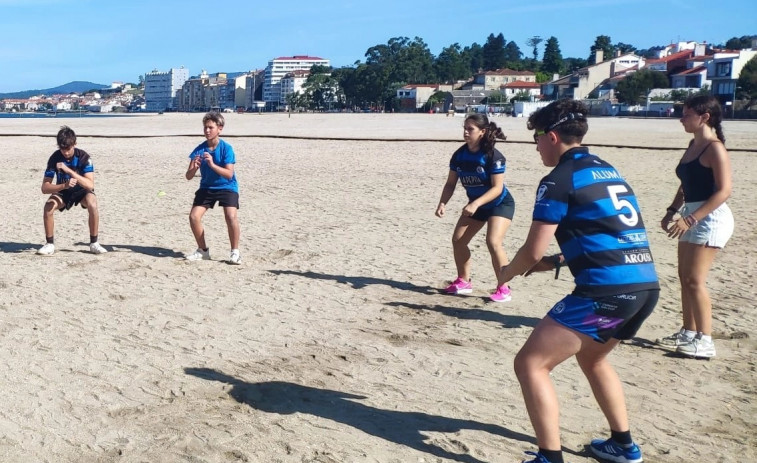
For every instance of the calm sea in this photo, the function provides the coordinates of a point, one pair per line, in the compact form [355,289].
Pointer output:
[59,115]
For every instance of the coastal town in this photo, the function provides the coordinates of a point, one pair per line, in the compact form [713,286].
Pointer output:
[284,85]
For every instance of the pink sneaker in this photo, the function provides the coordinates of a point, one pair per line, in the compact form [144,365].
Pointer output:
[459,286]
[502,294]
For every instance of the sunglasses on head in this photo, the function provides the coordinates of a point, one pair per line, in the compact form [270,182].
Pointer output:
[551,127]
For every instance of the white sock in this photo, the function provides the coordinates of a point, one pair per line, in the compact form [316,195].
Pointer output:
[688,334]
[705,337]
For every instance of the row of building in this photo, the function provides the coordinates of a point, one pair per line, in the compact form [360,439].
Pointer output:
[175,90]
[688,65]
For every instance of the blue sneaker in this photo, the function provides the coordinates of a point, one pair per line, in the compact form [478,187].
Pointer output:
[539,458]
[612,451]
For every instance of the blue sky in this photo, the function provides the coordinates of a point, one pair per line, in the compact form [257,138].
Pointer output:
[47,43]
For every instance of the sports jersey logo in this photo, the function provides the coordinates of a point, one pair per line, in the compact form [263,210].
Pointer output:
[498,164]
[541,192]
[559,307]
[637,258]
[632,238]
[480,170]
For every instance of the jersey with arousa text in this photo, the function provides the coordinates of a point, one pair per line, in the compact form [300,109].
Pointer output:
[475,173]
[600,230]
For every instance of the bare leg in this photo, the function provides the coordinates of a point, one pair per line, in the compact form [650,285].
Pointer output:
[90,201]
[232,224]
[465,230]
[195,223]
[48,215]
[694,263]
[604,381]
[549,345]
[495,235]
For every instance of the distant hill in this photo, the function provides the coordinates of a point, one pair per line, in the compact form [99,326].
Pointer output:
[71,87]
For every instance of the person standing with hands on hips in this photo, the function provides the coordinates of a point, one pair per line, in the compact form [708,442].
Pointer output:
[215,160]
[481,170]
[593,213]
[705,223]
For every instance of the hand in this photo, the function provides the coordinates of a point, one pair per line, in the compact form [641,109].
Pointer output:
[665,222]
[469,209]
[71,183]
[545,264]
[61,166]
[678,228]
[207,157]
[440,210]
[196,161]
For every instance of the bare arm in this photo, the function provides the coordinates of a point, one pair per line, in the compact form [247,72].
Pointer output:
[717,159]
[447,191]
[539,237]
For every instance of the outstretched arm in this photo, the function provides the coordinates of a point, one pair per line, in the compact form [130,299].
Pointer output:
[539,237]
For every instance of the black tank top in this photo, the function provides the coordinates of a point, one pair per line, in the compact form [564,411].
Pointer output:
[698,181]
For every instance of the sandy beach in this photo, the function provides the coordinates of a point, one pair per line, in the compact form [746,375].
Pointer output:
[331,342]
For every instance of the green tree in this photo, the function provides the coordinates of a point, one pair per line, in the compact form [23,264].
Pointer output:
[534,43]
[521,96]
[494,52]
[746,86]
[573,64]
[450,65]
[740,43]
[552,61]
[624,48]
[513,56]
[634,89]
[604,43]
[474,57]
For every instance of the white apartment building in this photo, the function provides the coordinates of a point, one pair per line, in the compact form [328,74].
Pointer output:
[161,88]
[278,68]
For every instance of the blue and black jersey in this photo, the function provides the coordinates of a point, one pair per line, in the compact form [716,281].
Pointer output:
[79,163]
[475,172]
[600,230]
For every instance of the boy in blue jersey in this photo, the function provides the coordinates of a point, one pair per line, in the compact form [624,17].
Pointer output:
[215,160]
[593,213]
[75,184]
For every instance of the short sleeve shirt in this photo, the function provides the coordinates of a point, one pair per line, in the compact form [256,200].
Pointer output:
[80,163]
[475,171]
[599,226]
[223,154]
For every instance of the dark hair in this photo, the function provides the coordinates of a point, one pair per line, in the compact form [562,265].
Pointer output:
[66,137]
[215,117]
[491,134]
[566,117]
[708,104]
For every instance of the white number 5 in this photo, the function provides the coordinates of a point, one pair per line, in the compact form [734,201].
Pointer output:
[631,219]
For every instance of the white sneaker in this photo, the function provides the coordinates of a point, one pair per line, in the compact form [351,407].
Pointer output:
[199,254]
[235,258]
[47,250]
[674,340]
[698,348]
[96,248]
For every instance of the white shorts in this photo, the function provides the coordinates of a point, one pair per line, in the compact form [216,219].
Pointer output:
[713,231]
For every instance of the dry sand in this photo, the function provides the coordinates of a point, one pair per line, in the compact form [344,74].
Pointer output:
[331,343]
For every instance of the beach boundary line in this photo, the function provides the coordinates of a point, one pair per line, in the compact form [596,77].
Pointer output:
[391,140]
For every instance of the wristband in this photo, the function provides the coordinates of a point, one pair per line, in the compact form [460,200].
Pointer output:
[672,210]
[558,264]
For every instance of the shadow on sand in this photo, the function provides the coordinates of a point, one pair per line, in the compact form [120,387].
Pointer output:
[507,321]
[361,282]
[404,428]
